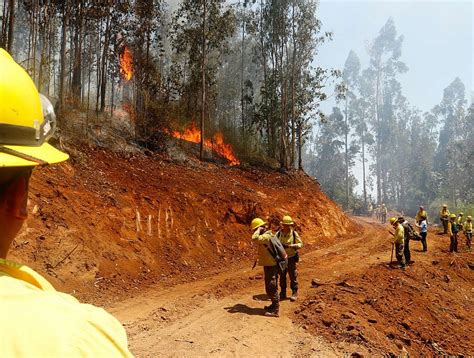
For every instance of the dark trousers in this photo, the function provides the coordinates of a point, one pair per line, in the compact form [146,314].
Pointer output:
[271,284]
[399,254]
[293,273]
[383,218]
[468,239]
[454,243]
[423,240]
[406,250]
[445,225]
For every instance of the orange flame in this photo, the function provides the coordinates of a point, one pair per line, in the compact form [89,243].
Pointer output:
[126,64]
[217,144]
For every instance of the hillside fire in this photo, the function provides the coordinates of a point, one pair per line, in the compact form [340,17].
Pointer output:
[216,144]
[126,64]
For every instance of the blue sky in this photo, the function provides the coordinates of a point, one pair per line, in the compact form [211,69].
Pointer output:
[438,43]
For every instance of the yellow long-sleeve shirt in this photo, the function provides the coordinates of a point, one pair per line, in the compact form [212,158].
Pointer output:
[444,214]
[421,213]
[263,241]
[288,239]
[38,321]
[399,236]
[468,226]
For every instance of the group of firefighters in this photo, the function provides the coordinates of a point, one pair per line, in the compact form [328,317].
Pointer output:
[380,212]
[268,258]
[452,225]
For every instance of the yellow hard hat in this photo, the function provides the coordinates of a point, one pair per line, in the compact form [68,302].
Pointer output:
[469,217]
[27,119]
[256,223]
[461,213]
[287,220]
[445,206]
[452,216]
[393,220]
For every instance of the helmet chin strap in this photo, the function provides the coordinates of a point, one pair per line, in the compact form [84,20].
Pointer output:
[22,155]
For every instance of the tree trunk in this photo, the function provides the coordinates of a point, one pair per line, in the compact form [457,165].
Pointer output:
[62,70]
[346,154]
[203,80]
[11,25]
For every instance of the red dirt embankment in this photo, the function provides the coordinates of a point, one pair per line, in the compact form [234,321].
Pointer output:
[110,222]
[425,310]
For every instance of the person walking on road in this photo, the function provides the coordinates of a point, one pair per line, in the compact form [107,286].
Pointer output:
[468,231]
[423,225]
[398,241]
[421,213]
[453,233]
[37,320]
[292,243]
[444,217]
[262,236]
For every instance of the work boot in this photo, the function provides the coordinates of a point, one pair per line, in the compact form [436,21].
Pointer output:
[294,296]
[283,295]
[269,307]
[273,313]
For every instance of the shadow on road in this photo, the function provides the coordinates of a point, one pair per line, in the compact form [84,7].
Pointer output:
[261,297]
[241,308]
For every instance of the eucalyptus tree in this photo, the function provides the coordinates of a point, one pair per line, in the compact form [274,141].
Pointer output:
[385,65]
[200,30]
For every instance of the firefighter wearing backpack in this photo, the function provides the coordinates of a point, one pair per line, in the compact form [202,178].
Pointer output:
[292,243]
[408,234]
[262,236]
[468,231]
[453,233]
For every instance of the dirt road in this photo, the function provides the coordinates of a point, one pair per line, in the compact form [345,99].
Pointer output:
[222,315]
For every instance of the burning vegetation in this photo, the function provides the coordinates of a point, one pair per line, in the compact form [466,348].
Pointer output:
[126,64]
[216,143]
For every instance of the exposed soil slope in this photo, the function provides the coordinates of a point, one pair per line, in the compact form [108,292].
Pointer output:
[111,222]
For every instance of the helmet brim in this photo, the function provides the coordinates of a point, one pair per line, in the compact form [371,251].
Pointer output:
[46,152]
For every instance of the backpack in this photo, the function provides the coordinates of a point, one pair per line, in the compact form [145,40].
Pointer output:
[411,233]
[454,228]
[276,249]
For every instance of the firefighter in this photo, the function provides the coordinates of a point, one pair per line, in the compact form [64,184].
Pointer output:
[423,225]
[292,243]
[453,233]
[262,235]
[444,217]
[460,221]
[468,231]
[383,213]
[421,212]
[407,232]
[398,241]
[37,320]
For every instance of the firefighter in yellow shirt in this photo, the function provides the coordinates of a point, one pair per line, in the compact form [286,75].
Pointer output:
[421,213]
[36,320]
[398,241]
[468,231]
[292,243]
[261,236]
[444,217]
[460,221]
[453,233]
